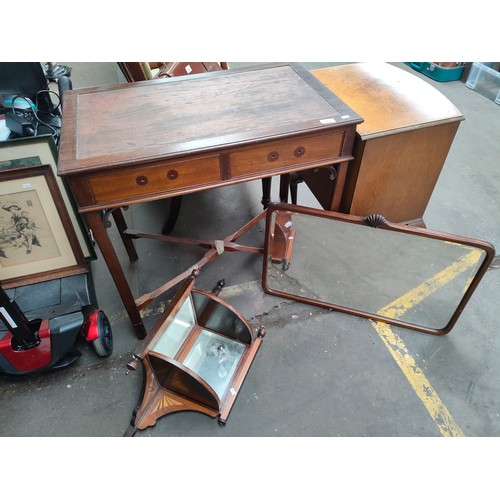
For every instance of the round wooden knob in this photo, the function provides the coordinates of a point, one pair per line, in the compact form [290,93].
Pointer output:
[273,156]
[142,180]
[172,174]
[300,151]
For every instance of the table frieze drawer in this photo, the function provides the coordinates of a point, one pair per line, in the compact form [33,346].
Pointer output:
[138,182]
[282,154]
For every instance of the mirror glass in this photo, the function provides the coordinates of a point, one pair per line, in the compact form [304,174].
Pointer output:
[215,358]
[177,331]
[408,276]
[219,318]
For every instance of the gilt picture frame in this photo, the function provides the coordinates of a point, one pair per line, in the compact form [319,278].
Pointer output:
[37,238]
[42,150]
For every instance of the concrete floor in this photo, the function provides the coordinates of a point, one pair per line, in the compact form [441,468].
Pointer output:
[318,373]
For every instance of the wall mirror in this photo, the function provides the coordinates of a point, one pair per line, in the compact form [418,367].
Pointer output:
[407,276]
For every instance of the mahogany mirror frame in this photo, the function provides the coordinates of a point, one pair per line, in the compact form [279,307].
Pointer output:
[279,239]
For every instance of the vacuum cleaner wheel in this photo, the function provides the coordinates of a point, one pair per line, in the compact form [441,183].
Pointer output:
[103,344]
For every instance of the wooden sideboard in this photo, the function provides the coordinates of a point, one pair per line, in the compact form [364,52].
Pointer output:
[143,141]
[399,149]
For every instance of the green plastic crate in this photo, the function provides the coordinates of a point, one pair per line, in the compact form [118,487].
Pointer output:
[437,72]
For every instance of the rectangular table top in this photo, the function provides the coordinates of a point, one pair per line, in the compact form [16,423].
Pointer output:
[146,121]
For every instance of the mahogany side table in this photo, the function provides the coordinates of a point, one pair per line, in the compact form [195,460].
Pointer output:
[137,142]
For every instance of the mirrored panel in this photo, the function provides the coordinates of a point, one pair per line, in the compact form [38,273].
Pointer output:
[196,357]
[177,331]
[215,358]
[407,276]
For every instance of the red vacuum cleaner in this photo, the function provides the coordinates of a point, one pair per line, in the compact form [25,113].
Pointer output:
[39,345]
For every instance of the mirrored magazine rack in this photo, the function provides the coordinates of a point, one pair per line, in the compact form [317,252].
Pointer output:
[196,357]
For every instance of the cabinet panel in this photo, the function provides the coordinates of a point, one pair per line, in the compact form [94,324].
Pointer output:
[395,175]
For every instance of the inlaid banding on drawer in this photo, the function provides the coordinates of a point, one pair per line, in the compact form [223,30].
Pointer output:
[282,154]
[141,181]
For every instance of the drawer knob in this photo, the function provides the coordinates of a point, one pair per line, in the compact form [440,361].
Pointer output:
[300,151]
[172,174]
[142,180]
[273,156]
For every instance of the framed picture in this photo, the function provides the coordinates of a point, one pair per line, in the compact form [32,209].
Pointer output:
[42,150]
[37,239]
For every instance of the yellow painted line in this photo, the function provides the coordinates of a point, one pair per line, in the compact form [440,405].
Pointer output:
[122,315]
[401,305]
[422,387]
[228,291]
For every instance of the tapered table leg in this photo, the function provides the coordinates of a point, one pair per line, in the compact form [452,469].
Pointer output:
[96,224]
